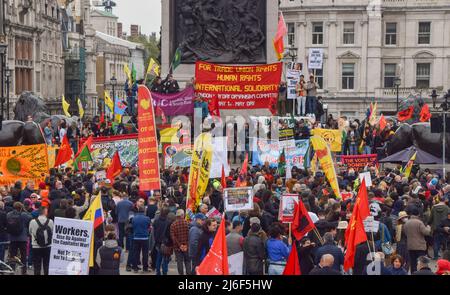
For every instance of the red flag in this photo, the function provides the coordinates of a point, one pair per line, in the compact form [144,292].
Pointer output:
[216,261]
[243,172]
[223,181]
[383,122]
[292,267]
[213,107]
[425,114]
[302,221]
[355,233]
[278,42]
[65,152]
[405,114]
[114,168]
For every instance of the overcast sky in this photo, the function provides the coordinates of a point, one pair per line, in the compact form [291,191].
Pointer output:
[146,13]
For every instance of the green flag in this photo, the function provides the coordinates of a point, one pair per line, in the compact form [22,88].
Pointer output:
[282,163]
[84,156]
[176,59]
[133,73]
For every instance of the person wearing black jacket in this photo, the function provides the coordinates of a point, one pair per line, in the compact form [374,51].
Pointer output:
[171,85]
[159,232]
[3,233]
[305,256]
[157,85]
[206,238]
[325,267]
[423,268]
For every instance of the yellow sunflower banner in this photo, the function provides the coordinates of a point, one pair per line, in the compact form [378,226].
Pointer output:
[27,162]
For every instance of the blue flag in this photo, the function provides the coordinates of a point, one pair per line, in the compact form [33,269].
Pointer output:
[120,107]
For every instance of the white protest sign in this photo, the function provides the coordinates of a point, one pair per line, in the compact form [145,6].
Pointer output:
[371,225]
[235,263]
[237,199]
[367,177]
[315,59]
[71,241]
[219,157]
[292,79]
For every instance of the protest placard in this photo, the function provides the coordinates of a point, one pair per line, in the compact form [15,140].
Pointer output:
[237,199]
[287,206]
[70,249]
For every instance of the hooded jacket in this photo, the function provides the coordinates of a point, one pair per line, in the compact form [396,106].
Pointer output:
[438,214]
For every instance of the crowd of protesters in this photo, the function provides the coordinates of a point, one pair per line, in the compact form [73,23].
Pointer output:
[144,232]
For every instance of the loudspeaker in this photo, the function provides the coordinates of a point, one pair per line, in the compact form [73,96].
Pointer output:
[437,126]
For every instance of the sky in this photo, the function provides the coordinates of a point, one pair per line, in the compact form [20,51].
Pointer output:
[146,13]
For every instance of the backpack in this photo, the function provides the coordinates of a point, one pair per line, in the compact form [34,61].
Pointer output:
[14,225]
[40,233]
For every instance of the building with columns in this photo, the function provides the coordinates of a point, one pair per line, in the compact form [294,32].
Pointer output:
[34,53]
[369,46]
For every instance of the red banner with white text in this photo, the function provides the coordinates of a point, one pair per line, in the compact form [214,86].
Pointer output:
[238,87]
[147,142]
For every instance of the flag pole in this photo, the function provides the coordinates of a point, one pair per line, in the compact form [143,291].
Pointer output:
[318,236]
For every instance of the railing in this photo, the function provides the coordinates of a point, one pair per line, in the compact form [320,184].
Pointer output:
[405,91]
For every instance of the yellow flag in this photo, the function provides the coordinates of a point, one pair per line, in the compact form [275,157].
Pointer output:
[331,136]
[109,102]
[373,114]
[95,214]
[65,106]
[199,172]
[128,73]
[80,108]
[153,67]
[323,153]
[169,135]
[409,165]
[314,164]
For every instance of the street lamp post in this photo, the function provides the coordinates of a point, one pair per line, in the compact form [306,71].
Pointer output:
[397,82]
[113,81]
[8,76]
[293,55]
[3,48]
[445,108]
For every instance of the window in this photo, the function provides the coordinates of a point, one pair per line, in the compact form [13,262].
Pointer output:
[318,73]
[317,35]
[348,76]
[389,75]
[349,33]
[391,34]
[423,71]
[291,34]
[424,32]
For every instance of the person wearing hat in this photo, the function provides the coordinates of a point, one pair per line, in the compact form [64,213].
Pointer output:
[415,232]
[194,236]
[443,267]
[400,238]
[216,196]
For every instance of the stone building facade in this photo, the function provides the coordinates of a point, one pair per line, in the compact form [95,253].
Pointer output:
[368,44]
[34,54]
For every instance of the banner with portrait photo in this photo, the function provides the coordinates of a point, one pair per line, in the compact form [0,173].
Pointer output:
[26,162]
[177,155]
[237,199]
[70,250]
[287,207]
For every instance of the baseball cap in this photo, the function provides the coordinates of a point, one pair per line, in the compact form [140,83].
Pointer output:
[200,216]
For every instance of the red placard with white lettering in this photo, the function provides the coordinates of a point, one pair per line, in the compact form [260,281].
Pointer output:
[238,87]
[147,142]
